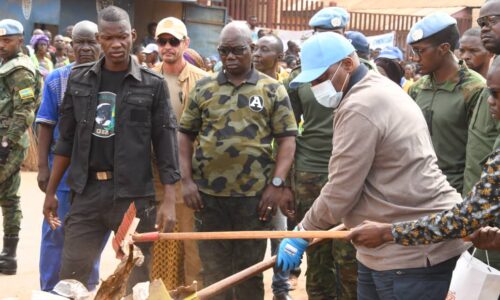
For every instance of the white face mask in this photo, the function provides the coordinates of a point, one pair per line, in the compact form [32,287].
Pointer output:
[326,94]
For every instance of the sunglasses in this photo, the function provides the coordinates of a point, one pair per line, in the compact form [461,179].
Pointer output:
[488,21]
[224,51]
[174,42]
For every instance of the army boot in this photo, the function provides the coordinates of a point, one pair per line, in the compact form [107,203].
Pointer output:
[8,261]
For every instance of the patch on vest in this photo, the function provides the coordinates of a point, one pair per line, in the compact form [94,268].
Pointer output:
[26,93]
[256,103]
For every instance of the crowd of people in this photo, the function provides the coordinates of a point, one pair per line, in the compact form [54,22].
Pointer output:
[400,147]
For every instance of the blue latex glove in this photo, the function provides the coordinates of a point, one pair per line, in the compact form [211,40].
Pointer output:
[290,253]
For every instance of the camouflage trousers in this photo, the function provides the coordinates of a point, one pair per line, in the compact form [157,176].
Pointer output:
[331,266]
[10,180]
[222,258]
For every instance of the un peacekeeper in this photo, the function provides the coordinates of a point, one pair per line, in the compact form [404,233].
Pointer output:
[232,180]
[332,266]
[362,46]
[113,112]
[446,93]
[383,167]
[479,210]
[19,91]
[334,19]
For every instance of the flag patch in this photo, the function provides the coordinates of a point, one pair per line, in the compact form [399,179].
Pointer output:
[26,93]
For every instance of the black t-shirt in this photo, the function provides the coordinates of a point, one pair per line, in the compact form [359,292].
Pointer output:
[103,135]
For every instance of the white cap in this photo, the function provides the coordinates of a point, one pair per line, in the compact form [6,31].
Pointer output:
[150,48]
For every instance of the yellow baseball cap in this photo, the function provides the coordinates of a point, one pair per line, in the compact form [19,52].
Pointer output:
[172,26]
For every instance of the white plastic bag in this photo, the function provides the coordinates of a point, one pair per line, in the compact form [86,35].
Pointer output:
[474,280]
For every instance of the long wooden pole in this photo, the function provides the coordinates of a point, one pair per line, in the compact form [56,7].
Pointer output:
[238,235]
[221,286]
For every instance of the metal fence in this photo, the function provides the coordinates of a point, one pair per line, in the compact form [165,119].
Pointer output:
[295,15]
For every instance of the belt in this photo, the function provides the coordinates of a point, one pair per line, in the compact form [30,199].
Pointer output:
[102,176]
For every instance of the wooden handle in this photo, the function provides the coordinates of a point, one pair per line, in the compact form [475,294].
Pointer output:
[239,235]
[226,283]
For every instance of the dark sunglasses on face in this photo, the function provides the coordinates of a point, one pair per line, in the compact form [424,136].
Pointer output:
[174,42]
[488,21]
[224,51]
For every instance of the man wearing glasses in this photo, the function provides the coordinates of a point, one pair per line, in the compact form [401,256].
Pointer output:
[446,93]
[484,129]
[232,180]
[172,40]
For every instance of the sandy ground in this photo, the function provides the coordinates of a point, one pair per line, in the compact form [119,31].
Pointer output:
[26,280]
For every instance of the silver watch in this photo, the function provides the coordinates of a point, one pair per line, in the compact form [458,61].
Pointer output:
[277,182]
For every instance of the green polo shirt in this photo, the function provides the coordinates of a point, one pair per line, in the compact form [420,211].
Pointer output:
[484,138]
[447,108]
[314,144]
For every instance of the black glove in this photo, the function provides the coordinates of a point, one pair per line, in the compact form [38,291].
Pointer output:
[4,154]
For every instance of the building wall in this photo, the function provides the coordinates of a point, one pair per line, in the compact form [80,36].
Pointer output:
[73,11]
[41,12]
[147,11]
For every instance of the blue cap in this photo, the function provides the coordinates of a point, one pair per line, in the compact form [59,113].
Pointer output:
[10,27]
[391,52]
[429,26]
[359,41]
[330,18]
[320,52]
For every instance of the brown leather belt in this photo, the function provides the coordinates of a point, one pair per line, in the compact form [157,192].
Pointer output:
[102,176]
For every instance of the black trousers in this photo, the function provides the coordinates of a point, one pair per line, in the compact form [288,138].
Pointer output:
[91,216]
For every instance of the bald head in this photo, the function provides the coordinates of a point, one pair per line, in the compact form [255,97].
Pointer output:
[84,42]
[236,31]
[490,35]
[274,42]
[84,28]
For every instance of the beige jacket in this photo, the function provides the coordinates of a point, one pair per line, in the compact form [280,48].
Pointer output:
[187,80]
[383,168]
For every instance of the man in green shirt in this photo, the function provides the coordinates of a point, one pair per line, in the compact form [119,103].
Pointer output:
[331,267]
[446,93]
[484,130]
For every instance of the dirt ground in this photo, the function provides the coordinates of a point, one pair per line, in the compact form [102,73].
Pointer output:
[26,280]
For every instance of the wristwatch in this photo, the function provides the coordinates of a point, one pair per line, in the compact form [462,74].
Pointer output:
[5,144]
[277,182]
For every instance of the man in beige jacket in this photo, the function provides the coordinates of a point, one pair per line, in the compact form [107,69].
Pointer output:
[175,262]
[383,167]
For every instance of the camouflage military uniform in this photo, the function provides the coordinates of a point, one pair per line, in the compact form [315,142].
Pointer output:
[331,266]
[232,164]
[19,96]
[448,108]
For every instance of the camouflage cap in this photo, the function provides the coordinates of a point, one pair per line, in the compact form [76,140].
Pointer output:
[10,27]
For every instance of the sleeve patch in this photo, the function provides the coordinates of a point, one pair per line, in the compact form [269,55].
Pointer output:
[26,93]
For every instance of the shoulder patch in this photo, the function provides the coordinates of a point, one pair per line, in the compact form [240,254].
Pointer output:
[26,93]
